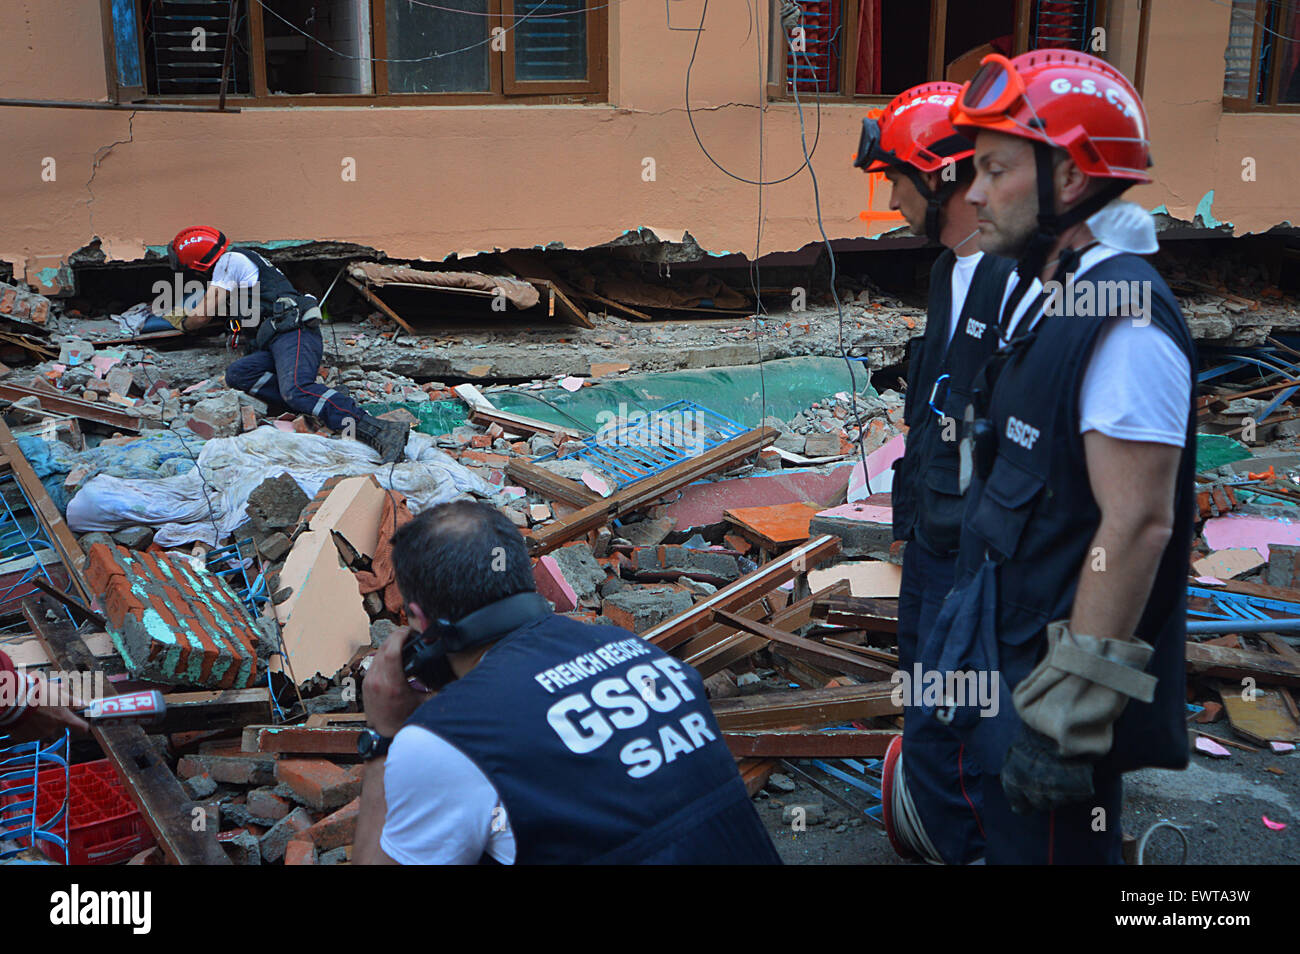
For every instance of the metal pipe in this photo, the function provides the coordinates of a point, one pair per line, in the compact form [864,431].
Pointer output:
[1210,626]
[133,107]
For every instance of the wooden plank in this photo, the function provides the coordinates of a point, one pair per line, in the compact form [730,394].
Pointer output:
[549,485]
[859,612]
[805,707]
[819,654]
[568,310]
[777,526]
[45,510]
[728,645]
[74,407]
[644,492]
[374,300]
[520,424]
[673,632]
[215,709]
[164,805]
[755,773]
[1239,664]
[302,740]
[801,744]
[1261,719]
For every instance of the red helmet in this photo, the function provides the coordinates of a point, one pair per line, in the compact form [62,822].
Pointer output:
[914,130]
[915,136]
[1065,99]
[197,249]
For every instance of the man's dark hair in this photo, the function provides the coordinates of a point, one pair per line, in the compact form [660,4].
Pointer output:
[458,557]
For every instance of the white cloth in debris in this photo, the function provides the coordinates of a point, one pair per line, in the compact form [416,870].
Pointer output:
[442,809]
[230,468]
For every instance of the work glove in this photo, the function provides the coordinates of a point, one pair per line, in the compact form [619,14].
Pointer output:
[175,318]
[1036,779]
[1069,703]
[1080,688]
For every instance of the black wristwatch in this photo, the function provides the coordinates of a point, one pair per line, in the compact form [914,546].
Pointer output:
[372,745]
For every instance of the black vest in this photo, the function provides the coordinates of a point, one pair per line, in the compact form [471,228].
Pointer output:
[1035,516]
[926,499]
[281,307]
[602,748]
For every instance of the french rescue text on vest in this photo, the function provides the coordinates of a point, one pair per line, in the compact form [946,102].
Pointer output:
[586,720]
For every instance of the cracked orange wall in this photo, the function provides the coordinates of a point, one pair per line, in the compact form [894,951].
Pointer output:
[432,181]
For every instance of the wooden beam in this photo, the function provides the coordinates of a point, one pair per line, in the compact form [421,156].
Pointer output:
[371,297]
[735,645]
[673,632]
[164,805]
[819,654]
[302,740]
[859,612]
[805,707]
[215,709]
[521,424]
[549,485]
[801,744]
[73,407]
[644,492]
[1229,663]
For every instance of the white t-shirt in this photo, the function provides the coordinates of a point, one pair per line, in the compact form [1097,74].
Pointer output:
[442,810]
[1136,384]
[234,270]
[963,270]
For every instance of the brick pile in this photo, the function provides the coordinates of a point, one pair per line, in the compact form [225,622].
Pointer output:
[173,621]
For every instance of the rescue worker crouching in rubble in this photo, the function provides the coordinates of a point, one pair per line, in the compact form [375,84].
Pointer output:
[1072,578]
[549,740]
[933,809]
[284,343]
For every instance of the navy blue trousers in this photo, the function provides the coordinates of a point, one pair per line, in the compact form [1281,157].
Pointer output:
[285,374]
[943,776]
[1084,834]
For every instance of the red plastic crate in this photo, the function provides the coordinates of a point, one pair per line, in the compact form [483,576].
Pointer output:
[104,825]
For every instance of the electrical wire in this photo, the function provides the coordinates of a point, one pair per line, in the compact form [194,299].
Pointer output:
[755,274]
[839,306]
[691,118]
[1273,5]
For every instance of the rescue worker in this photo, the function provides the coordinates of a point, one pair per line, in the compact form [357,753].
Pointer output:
[23,716]
[1072,577]
[283,343]
[932,809]
[550,741]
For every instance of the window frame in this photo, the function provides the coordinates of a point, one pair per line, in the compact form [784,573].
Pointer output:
[935,65]
[502,91]
[1236,104]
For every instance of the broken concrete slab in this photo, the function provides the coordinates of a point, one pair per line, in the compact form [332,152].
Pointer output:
[580,570]
[551,584]
[863,529]
[874,579]
[323,622]
[354,508]
[276,503]
[640,608]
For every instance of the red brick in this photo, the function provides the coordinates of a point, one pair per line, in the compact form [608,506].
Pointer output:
[100,568]
[334,831]
[480,441]
[120,602]
[299,852]
[320,783]
[264,803]
[480,457]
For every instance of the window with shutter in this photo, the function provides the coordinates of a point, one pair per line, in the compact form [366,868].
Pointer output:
[817,68]
[185,46]
[1062,24]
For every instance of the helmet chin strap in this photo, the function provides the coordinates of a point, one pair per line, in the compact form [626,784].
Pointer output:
[964,241]
[1033,258]
[934,199]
